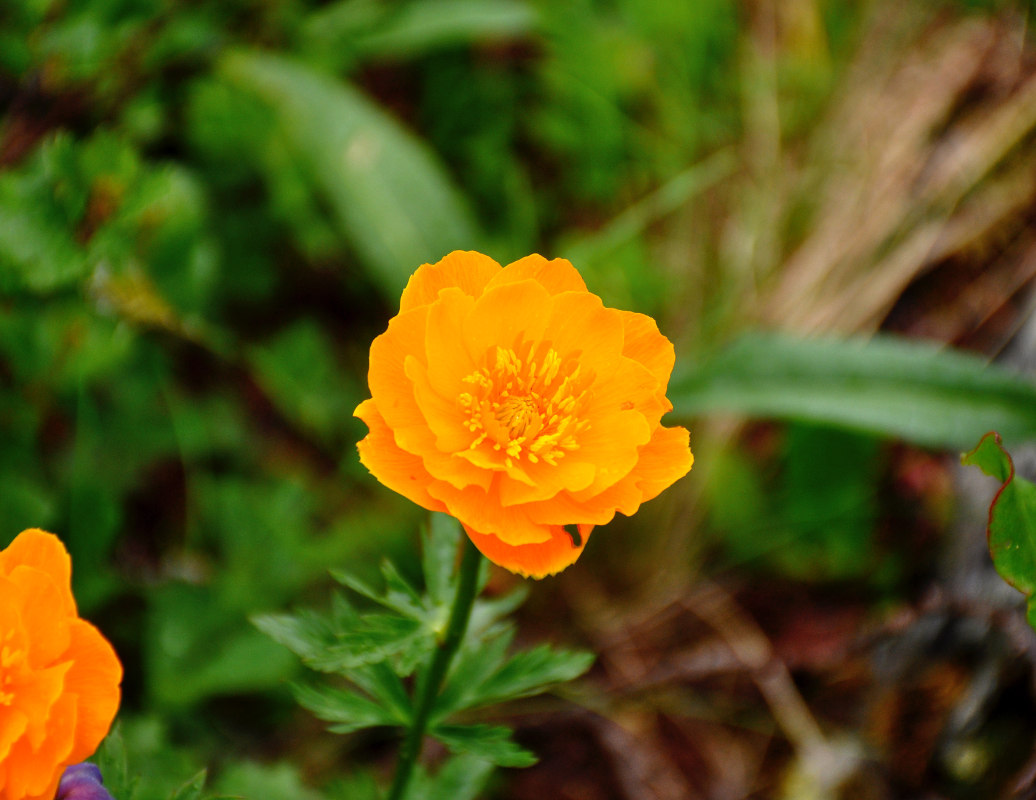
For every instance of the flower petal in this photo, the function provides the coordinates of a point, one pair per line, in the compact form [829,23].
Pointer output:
[555,275]
[465,269]
[482,510]
[534,560]
[94,678]
[394,467]
[39,549]
[645,344]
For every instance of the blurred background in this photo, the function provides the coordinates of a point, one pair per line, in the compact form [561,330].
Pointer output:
[208,208]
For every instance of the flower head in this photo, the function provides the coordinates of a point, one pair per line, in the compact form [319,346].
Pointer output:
[82,782]
[59,678]
[514,400]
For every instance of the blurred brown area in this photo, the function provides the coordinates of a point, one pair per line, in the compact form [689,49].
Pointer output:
[913,200]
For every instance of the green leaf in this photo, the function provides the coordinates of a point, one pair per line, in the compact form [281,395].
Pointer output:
[886,386]
[348,710]
[531,672]
[491,742]
[400,597]
[369,639]
[439,555]
[1012,518]
[390,196]
[299,371]
[421,26]
[462,777]
[473,665]
[358,786]
[266,781]
[192,789]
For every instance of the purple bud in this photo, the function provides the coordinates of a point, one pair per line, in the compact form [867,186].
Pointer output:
[82,782]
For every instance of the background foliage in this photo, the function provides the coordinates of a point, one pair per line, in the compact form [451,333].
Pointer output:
[208,209]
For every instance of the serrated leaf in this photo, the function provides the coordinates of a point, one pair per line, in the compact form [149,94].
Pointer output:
[886,386]
[400,595]
[305,634]
[438,556]
[348,710]
[1012,518]
[368,639]
[491,742]
[531,672]
[472,667]
[383,684]
[389,194]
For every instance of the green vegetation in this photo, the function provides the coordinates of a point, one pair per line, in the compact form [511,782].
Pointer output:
[208,209]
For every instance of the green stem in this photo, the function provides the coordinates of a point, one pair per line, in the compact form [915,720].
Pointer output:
[428,690]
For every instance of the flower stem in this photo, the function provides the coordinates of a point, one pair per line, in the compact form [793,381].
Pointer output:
[428,689]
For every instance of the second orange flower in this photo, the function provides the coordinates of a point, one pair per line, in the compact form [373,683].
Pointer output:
[512,399]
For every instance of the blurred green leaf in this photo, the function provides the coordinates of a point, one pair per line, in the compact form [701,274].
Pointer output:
[390,196]
[192,790]
[491,742]
[264,782]
[885,386]
[348,710]
[1012,518]
[352,29]
[439,542]
[462,777]
[300,372]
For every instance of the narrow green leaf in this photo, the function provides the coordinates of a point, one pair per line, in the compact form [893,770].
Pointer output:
[421,26]
[1012,518]
[438,556]
[401,597]
[887,386]
[348,710]
[491,742]
[390,195]
[400,594]
[192,790]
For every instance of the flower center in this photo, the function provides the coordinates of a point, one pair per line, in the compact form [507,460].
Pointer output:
[527,402]
[518,415]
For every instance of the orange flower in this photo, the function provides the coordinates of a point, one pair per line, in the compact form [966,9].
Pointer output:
[59,678]
[514,400]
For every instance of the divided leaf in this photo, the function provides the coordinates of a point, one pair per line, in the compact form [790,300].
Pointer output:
[1012,518]
[483,677]
[349,711]
[491,742]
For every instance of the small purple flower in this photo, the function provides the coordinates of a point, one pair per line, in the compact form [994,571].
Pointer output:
[82,782]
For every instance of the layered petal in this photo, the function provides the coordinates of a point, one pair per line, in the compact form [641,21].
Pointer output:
[59,677]
[555,275]
[462,269]
[513,399]
[398,469]
[534,560]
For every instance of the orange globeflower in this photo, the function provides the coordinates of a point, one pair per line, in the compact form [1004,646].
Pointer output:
[514,400]
[59,678]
